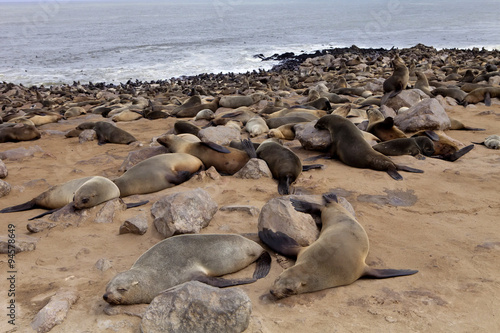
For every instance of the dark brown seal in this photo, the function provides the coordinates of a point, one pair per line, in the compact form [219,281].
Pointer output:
[419,147]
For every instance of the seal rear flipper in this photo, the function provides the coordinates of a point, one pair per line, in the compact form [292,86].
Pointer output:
[312,166]
[18,208]
[394,174]
[432,135]
[280,242]
[306,207]
[221,282]
[216,147]
[408,169]
[456,155]
[263,266]
[375,273]
[249,148]
[314,158]
[136,204]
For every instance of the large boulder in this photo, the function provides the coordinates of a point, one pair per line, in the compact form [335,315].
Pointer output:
[426,115]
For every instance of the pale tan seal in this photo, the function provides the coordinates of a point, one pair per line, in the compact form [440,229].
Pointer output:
[482,95]
[256,126]
[224,159]
[349,145]
[183,258]
[157,173]
[84,192]
[12,132]
[336,258]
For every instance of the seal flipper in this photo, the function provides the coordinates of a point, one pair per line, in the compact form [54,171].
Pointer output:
[216,147]
[314,158]
[408,169]
[306,207]
[43,214]
[375,273]
[136,204]
[249,148]
[284,185]
[487,98]
[432,135]
[394,174]
[263,266]
[456,155]
[280,242]
[18,208]
[312,166]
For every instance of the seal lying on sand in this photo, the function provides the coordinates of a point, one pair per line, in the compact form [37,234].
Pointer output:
[352,149]
[418,146]
[336,258]
[183,258]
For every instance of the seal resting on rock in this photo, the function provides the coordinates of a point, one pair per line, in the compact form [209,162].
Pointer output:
[183,258]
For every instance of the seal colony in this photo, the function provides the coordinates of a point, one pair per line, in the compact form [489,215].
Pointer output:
[339,93]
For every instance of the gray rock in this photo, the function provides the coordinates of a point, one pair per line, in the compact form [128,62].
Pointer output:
[210,173]
[17,154]
[55,311]
[107,212]
[494,80]
[278,214]
[387,111]
[69,215]
[4,188]
[221,135]
[87,135]
[39,226]
[137,156]
[251,210]
[185,212]
[3,170]
[312,139]
[103,264]
[135,225]
[196,307]
[406,98]
[254,169]
[22,243]
[426,115]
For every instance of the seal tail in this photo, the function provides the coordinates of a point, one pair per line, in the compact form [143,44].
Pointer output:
[467,128]
[375,273]
[280,242]
[249,148]
[312,166]
[19,208]
[284,185]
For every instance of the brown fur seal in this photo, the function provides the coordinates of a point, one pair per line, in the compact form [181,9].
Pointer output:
[351,148]
[383,128]
[398,81]
[277,122]
[482,95]
[183,258]
[422,83]
[83,192]
[182,126]
[18,132]
[157,173]
[455,93]
[107,132]
[223,159]
[458,125]
[419,147]
[444,147]
[336,258]
[192,110]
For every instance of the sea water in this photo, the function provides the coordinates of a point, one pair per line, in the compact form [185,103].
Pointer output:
[61,41]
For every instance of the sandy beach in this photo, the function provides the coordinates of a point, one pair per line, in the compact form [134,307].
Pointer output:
[444,223]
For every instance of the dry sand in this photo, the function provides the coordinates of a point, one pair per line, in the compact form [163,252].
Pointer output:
[447,228]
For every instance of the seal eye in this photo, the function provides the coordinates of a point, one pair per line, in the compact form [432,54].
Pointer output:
[85,200]
[121,290]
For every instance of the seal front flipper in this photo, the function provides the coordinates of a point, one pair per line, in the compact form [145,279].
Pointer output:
[394,173]
[284,185]
[306,207]
[216,147]
[18,208]
[375,273]
[314,158]
[43,214]
[487,98]
[221,282]
[312,166]
[280,242]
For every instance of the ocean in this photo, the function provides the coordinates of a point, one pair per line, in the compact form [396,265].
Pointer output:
[59,41]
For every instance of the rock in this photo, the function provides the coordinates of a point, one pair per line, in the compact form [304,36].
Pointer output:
[22,243]
[406,98]
[17,154]
[254,169]
[137,156]
[221,135]
[375,85]
[4,188]
[278,214]
[69,215]
[55,311]
[251,210]
[210,173]
[3,170]
[312,139]
[107,212]
[39,226]
[494,80]
[103,264]
[135,225]
[387,111]
[197,307]
[426,115]
[87,135]
[185,212]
